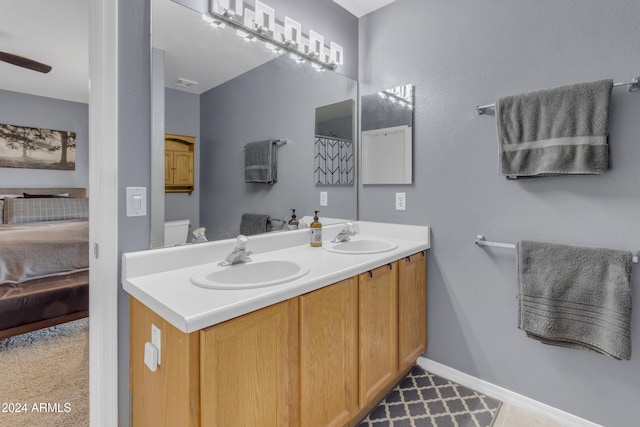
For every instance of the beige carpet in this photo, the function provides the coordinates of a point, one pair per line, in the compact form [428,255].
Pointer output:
[44,377]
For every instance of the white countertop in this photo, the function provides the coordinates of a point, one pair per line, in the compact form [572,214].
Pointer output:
[160,278]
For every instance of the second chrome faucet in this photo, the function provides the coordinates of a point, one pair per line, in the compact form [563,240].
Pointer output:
[345,234]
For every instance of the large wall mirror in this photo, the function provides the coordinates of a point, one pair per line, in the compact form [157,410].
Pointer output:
[209,83]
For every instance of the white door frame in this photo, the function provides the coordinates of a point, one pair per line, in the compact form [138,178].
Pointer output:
[103,213]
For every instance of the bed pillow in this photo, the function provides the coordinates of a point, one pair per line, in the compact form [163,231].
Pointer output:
[44,196]
[18,211]
[2,197]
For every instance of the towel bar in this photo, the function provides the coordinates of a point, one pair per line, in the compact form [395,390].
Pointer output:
[480,241]
[634,86]
[278,142]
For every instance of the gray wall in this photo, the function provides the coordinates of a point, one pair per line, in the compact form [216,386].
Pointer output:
[134,146]
[271,101]
[41,112]
[461,53]
[182,117]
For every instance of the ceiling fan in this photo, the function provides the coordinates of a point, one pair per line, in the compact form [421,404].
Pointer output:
[23,62]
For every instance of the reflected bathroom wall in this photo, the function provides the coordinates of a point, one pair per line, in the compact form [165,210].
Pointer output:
[277,100]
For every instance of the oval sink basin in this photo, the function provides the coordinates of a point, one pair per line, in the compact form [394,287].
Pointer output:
[254,274]
[361,246]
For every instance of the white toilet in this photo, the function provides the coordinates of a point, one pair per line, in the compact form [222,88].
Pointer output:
[176,232]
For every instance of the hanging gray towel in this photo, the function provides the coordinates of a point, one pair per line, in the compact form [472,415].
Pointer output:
[254,224]
[261,162]
[576,297]
[559,131]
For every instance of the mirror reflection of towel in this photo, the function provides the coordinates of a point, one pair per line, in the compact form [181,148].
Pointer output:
[254,224]
[261,162]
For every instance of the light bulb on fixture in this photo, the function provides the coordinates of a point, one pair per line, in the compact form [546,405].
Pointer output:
[213,21]
[299,59]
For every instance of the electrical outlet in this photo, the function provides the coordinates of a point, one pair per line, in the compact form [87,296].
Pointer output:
[401,201]
[323,198]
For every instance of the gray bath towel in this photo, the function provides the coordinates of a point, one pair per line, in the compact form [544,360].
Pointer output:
[261,162]
[559,131]
[254,224]
[576,297]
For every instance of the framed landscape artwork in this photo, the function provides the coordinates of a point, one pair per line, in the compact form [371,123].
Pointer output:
[37,148]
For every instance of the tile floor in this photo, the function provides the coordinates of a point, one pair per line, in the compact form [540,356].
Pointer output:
[512,416]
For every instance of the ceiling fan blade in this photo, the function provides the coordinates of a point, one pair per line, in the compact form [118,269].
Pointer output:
[23,62]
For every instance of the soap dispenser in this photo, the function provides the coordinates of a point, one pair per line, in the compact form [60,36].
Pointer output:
[316,231]
[293,222]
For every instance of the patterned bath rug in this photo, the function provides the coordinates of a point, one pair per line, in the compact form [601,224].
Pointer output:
[423,399]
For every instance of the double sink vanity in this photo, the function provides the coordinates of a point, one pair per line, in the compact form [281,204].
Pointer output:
[297,336]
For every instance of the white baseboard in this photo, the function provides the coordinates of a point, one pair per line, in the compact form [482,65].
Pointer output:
[507,396]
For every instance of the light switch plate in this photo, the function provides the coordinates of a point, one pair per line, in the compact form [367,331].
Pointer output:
[136,201]
[323,198]
[401,201]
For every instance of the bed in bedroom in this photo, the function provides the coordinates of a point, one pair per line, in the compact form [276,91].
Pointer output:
[44,258]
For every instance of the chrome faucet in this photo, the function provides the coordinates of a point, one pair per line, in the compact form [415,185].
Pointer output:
[240,253]
[345,234]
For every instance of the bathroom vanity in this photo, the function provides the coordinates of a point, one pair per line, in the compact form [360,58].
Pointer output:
[321,349]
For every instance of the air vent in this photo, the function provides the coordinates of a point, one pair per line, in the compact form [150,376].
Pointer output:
[184,82]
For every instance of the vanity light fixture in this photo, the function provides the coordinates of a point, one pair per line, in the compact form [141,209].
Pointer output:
[249,20]
[260,23]
[265,18]
[228,8]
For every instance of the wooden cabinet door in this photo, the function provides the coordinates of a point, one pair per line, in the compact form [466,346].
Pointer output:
[168,168]
[249,369]
[183,168]
[378,299]
[329,355]
[179,175]
[168,397]
[412,309]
